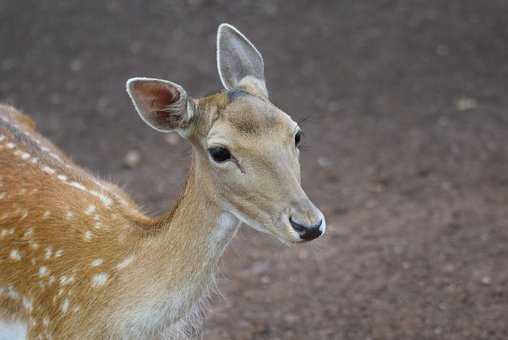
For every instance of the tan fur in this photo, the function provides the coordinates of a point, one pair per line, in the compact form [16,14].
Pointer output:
[58,243]
[79,260]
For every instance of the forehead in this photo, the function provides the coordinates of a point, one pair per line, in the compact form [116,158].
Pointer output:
[252,115]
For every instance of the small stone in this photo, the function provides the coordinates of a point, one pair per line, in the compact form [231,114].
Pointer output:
[291,318]
[324,162]
[449,268]
[259,267]
[132,158]
[172,139]
[486,280]
[465,104]
[76,65]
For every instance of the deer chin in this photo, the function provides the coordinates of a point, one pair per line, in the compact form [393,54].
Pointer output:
[281,231]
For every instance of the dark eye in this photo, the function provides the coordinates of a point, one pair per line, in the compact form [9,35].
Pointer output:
[298,138]
[219,154]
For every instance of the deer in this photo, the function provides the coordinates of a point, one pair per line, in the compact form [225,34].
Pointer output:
[80,260]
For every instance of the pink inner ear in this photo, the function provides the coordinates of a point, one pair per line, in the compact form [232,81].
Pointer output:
[155,96]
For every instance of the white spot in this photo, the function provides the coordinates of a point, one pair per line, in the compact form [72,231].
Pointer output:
[51,280]
[88,235]
[35,160]
[12,293]
[104,199]
[46,215]
[2,137]
[63,178]
[15,255]
[97,263]
[76,309]
[59,253]
[99,279]
[28,233]
[25,156]
[69,215]
[27,303]
[48,170]
[2,195]
[33,245]
[65,305]
[24,214]
[78,185]
[10,145]
[3,233]
[45,322]
[128,260]
[66,280]
[48,252]
[90,209]
[43,271]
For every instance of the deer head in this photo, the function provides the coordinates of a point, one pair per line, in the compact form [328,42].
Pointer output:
[245,149]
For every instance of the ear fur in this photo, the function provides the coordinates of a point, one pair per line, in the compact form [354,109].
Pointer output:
[239,63]
[161,104]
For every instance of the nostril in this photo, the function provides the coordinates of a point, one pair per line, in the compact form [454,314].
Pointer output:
[307,233]
[297,226]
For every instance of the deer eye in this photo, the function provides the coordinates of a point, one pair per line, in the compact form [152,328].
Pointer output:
[298,138]
[219,154]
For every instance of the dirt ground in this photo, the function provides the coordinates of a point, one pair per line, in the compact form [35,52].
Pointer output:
[404,108]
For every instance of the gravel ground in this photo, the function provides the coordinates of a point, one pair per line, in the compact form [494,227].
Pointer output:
[404,109]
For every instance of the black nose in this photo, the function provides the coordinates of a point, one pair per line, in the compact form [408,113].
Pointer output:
[307,233]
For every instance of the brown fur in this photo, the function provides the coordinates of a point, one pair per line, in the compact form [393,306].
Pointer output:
[118,236]
[64,274]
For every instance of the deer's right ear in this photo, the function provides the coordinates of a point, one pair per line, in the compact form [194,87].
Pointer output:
[163,105]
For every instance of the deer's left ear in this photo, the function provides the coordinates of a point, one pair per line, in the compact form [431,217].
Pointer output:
[239,62]
[161,104]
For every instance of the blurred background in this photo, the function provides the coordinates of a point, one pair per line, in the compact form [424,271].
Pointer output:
[404,108]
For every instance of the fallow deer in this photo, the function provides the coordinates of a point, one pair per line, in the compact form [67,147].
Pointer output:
[79,260]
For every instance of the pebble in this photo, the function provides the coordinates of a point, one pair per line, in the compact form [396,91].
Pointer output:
[486,280]
[132,158]
[172,139]
[324,162]
[465,104]
[76,65]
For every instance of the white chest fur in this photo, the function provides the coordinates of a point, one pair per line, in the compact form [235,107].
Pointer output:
[12,330]
[178,313]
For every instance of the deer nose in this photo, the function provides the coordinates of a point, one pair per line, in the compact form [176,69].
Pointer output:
[307,232]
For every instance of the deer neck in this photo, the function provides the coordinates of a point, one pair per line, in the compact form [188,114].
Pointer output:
[192,238]
[176,262]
